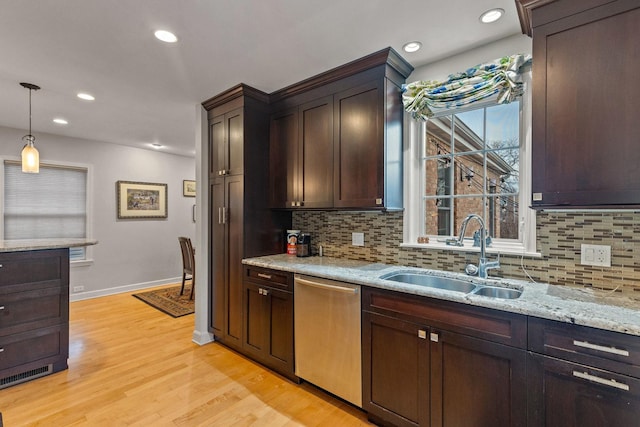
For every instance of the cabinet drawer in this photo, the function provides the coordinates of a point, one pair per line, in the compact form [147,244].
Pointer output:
[594,347]
[42,344]
[18,268]
[28,310]
[274,278]
[492,325]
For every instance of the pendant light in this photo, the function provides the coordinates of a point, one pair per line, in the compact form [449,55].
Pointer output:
[30,155]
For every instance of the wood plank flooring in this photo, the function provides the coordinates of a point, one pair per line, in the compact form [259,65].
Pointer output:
[131,365]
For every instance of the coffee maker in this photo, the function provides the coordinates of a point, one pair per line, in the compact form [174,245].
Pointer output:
[303,247]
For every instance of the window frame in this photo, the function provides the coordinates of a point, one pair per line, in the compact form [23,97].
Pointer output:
[415,182]
[88,259]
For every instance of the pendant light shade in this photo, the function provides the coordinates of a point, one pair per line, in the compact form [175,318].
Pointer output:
[30,155]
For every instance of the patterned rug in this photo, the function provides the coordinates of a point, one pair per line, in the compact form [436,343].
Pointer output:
[169,300]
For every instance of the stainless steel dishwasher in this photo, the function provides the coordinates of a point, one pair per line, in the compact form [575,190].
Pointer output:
[327,336]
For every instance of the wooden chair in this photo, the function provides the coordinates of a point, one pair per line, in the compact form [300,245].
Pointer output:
[188,264]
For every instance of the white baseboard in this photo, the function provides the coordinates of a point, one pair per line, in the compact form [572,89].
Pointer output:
[202,337]
[121,289]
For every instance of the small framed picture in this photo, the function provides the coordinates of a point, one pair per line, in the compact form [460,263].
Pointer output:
[141,200]
[188,188]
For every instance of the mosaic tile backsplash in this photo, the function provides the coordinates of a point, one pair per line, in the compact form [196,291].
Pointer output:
[559,236]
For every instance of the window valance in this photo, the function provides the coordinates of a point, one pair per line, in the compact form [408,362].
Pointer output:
[500,77]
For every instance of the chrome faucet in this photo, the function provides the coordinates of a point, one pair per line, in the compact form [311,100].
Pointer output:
[483,264]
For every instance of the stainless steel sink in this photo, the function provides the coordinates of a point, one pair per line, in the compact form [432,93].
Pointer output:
[445,283]
[455,285]
[496,292]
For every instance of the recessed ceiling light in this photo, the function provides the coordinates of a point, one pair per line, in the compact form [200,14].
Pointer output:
[165,36]
[156,145]
[412,47]
[86,96]
[491,15]
[60,121]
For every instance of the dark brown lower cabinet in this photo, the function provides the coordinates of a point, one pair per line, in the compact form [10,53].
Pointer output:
[565,394]
[395,370]
[418,373]
[268,319]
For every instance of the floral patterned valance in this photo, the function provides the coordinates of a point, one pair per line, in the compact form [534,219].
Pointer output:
[501,77]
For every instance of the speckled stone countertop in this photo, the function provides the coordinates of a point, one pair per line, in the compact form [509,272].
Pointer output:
[572,305]
[38,244]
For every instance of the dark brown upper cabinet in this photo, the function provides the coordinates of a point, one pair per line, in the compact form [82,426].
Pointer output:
[586,98]
[302,156]
[336,138]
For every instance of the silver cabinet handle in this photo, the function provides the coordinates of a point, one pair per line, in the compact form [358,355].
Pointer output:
[598,380]
[0,265]
[219,215]
[1,307]
[224,215]
[328,287]
[1,350]
[264,276]
[612,350]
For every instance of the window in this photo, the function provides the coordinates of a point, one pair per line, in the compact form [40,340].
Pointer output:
[473,160]
[50,204]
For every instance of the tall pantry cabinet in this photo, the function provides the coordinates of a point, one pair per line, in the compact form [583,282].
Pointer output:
[241,225]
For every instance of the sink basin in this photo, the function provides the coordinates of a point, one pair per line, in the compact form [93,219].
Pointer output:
[502,293]
[445,283]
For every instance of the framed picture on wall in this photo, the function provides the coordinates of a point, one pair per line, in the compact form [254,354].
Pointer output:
[141,200]
[188,188]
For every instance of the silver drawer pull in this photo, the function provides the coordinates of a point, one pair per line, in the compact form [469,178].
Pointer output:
[1,307]
[603,348]
[595,379]
[264,276]
[1,350]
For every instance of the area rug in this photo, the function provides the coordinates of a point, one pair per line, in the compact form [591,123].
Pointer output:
[169,300]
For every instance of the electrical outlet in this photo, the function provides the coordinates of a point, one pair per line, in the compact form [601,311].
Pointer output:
[357,239]
[598,255]
[78,288]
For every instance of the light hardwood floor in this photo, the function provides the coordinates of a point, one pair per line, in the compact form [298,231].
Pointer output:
[131,365]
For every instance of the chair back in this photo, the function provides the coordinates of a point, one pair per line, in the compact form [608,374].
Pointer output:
[187,254]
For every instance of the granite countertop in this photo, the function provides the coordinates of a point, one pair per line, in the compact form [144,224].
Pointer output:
[572,305]
[38,244]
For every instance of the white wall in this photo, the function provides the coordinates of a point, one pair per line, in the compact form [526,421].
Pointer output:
[130,254]
[439,70]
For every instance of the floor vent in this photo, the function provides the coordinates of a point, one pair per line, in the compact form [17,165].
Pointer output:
[25,376]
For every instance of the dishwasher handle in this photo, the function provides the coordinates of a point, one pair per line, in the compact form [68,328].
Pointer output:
[336,288]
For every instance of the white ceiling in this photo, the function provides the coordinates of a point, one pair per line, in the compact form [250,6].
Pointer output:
[146,90]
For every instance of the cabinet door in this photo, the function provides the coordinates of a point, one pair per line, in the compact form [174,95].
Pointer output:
[284,159]
[217,146]
[218,256]
[233,218]
[279,331]
[256,318]
[565,394]
[476,383]
[585,103]
[234,123]
[316,153]
[395,358]
[359,147]
[268,315]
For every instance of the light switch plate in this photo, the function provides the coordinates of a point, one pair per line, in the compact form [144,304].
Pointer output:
[357,239]
[597,255]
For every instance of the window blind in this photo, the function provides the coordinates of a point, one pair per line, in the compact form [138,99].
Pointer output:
[50,204]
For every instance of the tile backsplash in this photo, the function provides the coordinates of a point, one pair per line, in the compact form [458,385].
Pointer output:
[559,236]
